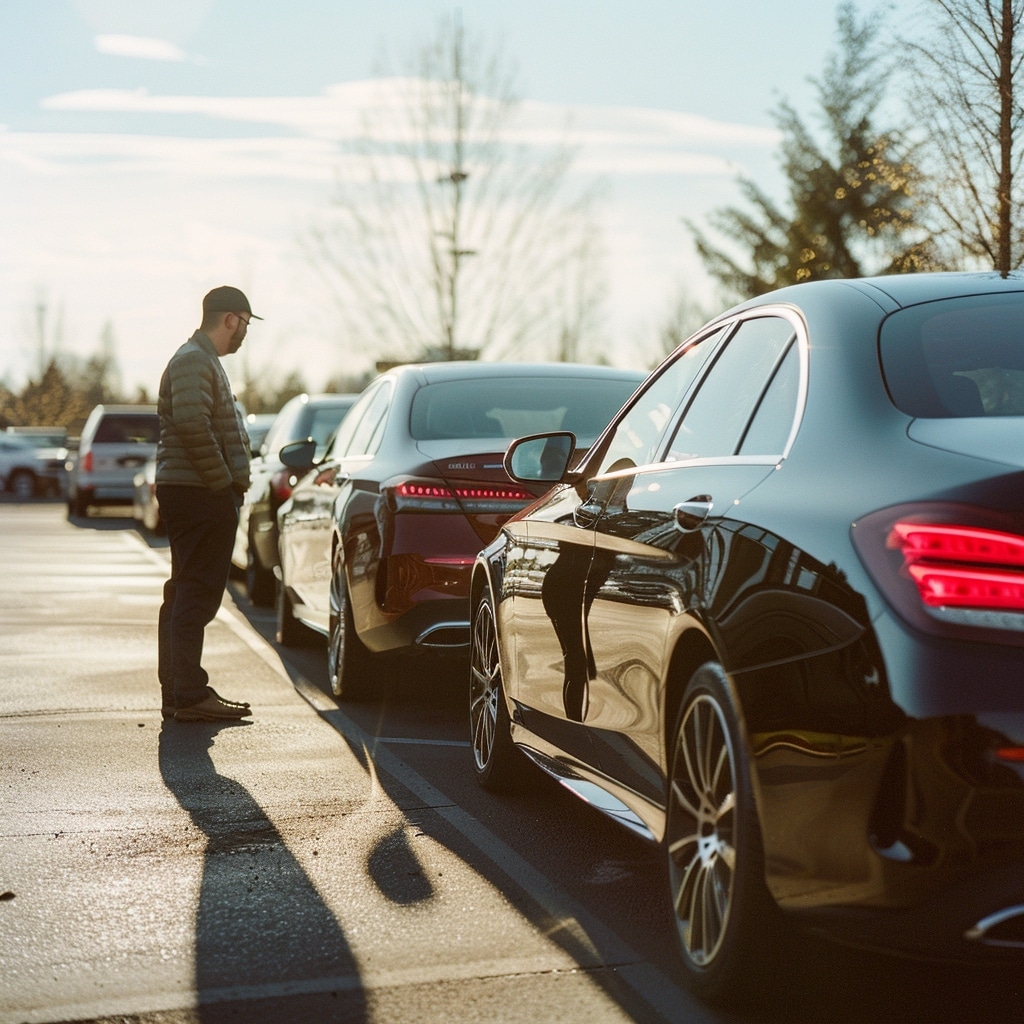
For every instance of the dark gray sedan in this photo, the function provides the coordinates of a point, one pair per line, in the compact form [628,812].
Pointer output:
[774,623]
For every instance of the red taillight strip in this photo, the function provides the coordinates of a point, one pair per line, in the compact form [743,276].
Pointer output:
[422,494]
[1015,754]
[945,543]
[964,587]
[957,566]
[493,493]
[464,492]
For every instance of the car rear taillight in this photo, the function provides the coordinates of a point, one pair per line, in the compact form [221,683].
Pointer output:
[953,570]
[957,566]
[281,484]
[439,496]
[87,461]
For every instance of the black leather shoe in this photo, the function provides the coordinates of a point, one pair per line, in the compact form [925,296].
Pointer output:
[212,709]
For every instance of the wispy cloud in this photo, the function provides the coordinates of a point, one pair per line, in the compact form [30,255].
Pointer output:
[139,47]
[611,139]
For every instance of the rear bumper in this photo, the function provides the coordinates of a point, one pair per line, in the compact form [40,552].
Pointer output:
[438,626]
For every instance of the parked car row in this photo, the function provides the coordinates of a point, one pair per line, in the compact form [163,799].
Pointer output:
[763,606]
[146,507]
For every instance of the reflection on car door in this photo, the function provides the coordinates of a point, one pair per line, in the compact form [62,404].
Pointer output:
[548,565]
[545,570]
[661,545]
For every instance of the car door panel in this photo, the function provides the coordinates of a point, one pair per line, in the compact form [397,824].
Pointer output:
[544,578]
[647,571]
[306,542]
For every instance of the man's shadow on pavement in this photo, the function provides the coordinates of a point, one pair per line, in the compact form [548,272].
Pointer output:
[260,921]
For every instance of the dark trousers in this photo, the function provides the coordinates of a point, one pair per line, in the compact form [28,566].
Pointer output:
[201,527]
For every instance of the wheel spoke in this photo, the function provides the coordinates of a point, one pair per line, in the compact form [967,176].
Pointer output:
[684,802]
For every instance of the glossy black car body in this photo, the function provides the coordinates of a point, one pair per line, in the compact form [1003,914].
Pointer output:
[255,551]
[775,622]
[378,541]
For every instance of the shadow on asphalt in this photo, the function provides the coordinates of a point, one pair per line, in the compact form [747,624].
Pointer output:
[237,913]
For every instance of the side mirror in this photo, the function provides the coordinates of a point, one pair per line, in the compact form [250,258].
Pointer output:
[299,454]
[540,458]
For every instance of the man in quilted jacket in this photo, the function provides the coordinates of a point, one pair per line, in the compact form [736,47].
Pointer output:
[202,472]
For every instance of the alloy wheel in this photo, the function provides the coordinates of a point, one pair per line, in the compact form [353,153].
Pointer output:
[702,831]
[485,686]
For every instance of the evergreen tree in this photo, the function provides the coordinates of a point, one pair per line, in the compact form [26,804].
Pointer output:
[852,208]
[51,401]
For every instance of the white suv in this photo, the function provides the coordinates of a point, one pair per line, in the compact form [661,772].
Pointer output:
[116,442]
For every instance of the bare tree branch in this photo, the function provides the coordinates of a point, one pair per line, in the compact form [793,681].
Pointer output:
[452,233]
[968,90]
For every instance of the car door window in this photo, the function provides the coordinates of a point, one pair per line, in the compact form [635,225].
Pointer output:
[347,427]
[639,434]
[370,429]
[717,418]
[770,428]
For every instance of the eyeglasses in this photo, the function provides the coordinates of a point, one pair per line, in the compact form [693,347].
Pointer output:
[242,318]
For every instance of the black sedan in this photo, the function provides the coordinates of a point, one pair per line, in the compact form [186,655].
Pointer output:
[377,543]
[774,623]
[255,551]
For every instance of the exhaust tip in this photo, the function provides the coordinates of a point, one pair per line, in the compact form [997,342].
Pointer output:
[1004,928]
[445,636]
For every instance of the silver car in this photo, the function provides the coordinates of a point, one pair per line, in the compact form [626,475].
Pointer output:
[25,469]
[116,442]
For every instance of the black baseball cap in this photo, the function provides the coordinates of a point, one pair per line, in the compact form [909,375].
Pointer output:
[226,299]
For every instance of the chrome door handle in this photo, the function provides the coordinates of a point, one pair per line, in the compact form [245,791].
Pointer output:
[584,516]
[691,515]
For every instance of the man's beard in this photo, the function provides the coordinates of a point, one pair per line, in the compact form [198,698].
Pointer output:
[236,340]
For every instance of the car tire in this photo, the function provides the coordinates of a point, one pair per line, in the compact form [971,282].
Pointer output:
[721,909]
[349,662]
[290,632]
[78,506]
[498,764]
[259,581]
[22,484]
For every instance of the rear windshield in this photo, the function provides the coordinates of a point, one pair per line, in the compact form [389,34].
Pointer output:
[508,407]
[128,428]
[957,358]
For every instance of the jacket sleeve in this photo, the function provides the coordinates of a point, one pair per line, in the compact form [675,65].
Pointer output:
[193,401]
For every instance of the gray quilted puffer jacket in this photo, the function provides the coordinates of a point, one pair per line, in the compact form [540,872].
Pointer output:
[202,440]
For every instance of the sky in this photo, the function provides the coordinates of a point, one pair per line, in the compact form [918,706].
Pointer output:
[153,149]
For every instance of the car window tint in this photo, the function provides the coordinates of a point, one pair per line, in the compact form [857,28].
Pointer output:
[369,430]
[638,436]
[770,428]
[128,429]
[957,357]
[513,406]
[717,417]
